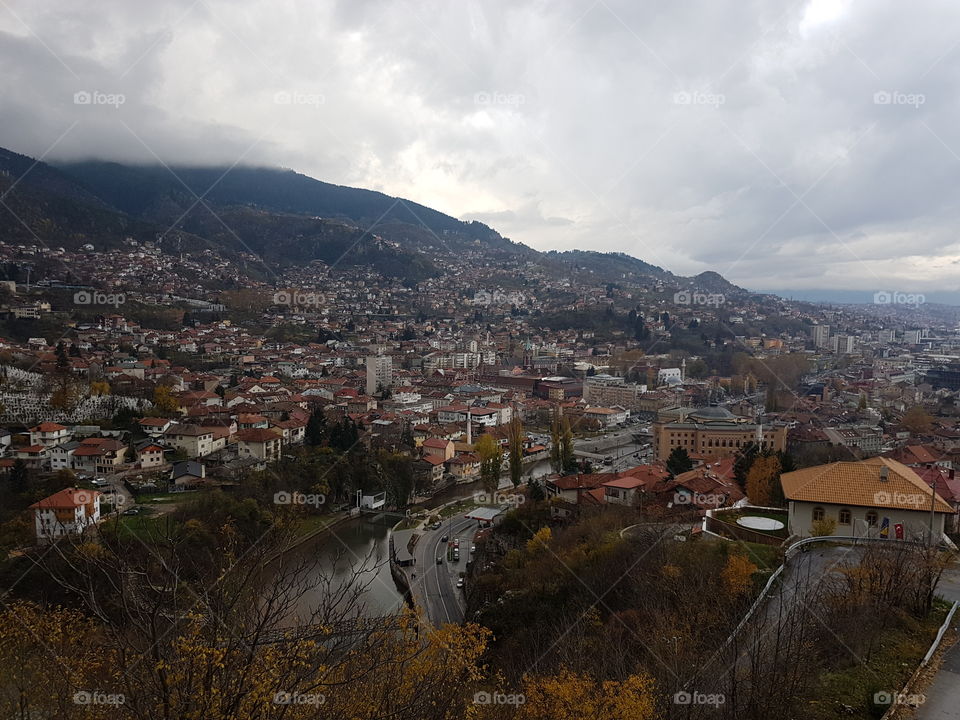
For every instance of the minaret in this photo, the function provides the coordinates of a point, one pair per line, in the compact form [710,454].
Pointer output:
[683,370]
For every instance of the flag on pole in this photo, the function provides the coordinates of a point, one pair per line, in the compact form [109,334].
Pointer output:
[885,528]
[898,529]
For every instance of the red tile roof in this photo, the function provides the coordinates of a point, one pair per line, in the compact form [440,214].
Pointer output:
[67,498]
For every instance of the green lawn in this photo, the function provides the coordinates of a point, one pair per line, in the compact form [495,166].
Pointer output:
[767,557]
[459,507]
[142,526]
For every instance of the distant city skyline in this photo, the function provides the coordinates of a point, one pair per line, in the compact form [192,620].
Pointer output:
[801,146]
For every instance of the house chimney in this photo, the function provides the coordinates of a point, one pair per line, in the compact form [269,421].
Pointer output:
[884,473]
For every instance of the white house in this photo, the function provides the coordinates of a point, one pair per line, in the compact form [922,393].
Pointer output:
[61,457]
[878,497]
[607,417]
[68,512]
[49,434]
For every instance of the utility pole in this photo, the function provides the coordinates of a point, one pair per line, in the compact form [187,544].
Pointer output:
[933,497]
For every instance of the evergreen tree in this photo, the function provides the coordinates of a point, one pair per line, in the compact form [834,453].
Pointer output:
[63,361]
[316,429]
[19,477]
[679,462]
[516,451]
[535,490]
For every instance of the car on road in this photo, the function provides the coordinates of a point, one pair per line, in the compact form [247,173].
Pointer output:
[444,538]
[473,548]
[439,560]
[456,555]
[459,582]
[132,511]
[99,481]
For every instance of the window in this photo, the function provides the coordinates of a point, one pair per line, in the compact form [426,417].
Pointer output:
[818,514]
[844,516]
[872,518]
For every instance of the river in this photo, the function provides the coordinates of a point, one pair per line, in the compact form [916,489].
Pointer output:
[336,555]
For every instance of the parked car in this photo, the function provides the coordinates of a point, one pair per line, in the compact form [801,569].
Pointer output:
[459,582]
[132,511]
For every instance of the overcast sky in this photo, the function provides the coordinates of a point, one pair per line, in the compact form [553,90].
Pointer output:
[785,145]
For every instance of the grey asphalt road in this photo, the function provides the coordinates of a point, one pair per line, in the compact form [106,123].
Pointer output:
[434,587]
[943,696]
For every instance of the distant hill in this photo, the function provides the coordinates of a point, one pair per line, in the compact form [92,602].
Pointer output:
[43,204]
[157,193]
[281,216]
